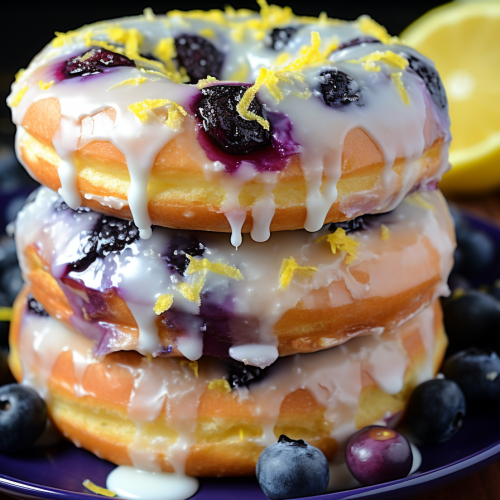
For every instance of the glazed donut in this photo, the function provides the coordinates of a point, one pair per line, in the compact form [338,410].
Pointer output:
[232,121]
[211,418]
[186,293]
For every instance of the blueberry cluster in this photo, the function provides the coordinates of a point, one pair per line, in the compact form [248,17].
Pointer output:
[96,60]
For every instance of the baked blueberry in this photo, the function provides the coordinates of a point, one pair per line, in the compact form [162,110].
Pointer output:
[35,307]
[431,79]
[377,454]
[94,61]
[338,88]
[198,56]
[23,416]
[291,469]
[278,38]
[475,251]
[477,373]
[471,319]
[242,375]
[11,282]
[62,206]
[357,41]
[436,410]
[181,246]
[229,131]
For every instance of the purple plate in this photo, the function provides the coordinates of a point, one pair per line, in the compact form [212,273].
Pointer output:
[58,472]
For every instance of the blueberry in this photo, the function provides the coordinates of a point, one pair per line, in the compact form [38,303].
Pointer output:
[357,41]
[459,221]
[494,290]
[35,307]
[96,60]
[292,469]
[471,319]
[61,206]
[338,88]
[23,416]
[179,248]
[198,56]
[226,128]
[436,410]
[279,37]
[477,373]
[11,283]
[8,255]
[431,79]
[5,375]
[475,252]
[110,235]
[377,454]
[457,281]
[242,375]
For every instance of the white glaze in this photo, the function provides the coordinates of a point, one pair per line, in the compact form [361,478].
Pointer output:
[396,128]
[141,275]
[134,484]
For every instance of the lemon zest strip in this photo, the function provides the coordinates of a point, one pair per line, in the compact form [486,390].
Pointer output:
[191,364]
[163,303]
[207,33]
[288,268]
[45,85]
[192,292]
[339,241]
[130,81]
[384,232]
[417,200]
[370,61]
[206,81]
[196,265]
[396,78]
[140,108]
[220,384]
[98,490]
[18,96]
[5,313]
[370,27]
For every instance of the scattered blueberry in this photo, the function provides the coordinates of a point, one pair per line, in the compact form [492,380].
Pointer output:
[471,319]
[292,469]
[110,234]
[226,128]
[357,41]
[338,88]
[96,61]
[23,416]
[279,37]
[198,56]
[494,290]
[35,307]
[377,454]
[457,281]
[356,224]
[432,80]
[5,375]
[475,251]
[436,410]
[241,375]
[477,373]
[11,283]
[179,248]
[61,206]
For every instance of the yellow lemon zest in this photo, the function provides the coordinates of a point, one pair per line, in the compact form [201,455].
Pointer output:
[196,265]
[220,384]
[339,241]
[310,56]
[16,99]
[98,490]
[288,268]
[370,27]
[330,47]
[165,51]
[163,303]
[45,85]
[392,59]
[19,74]
[206,81]
[89,41]
[192,292]
[282,58]
[417,200]
[384,232]
[176,115]
[396,78]
[131,81]
[5,313]
[207,33]
[149,357]
[191,364]
[237,33]
[242,436]
[140,108]
[62,39]
[148,14]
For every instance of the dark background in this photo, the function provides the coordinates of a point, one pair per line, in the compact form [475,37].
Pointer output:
[27,26]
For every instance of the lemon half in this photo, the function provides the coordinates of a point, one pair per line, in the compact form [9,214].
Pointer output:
[463,39]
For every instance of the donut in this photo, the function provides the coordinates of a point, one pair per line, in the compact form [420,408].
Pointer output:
[209,418]
[232,121]
[189,293]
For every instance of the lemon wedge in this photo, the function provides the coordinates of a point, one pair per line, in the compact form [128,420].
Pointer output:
[463,39]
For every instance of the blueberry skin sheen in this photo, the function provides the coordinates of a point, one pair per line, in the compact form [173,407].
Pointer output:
[477,373]
[376,454]
[471,320]
[292,469]
[475,251]
[436,411]
[23,416]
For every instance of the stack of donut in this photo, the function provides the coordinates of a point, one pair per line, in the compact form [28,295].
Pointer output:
[238,235]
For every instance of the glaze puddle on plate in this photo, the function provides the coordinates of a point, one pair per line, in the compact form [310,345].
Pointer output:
[58,472]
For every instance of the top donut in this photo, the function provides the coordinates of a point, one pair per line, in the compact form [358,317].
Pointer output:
[232,121]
